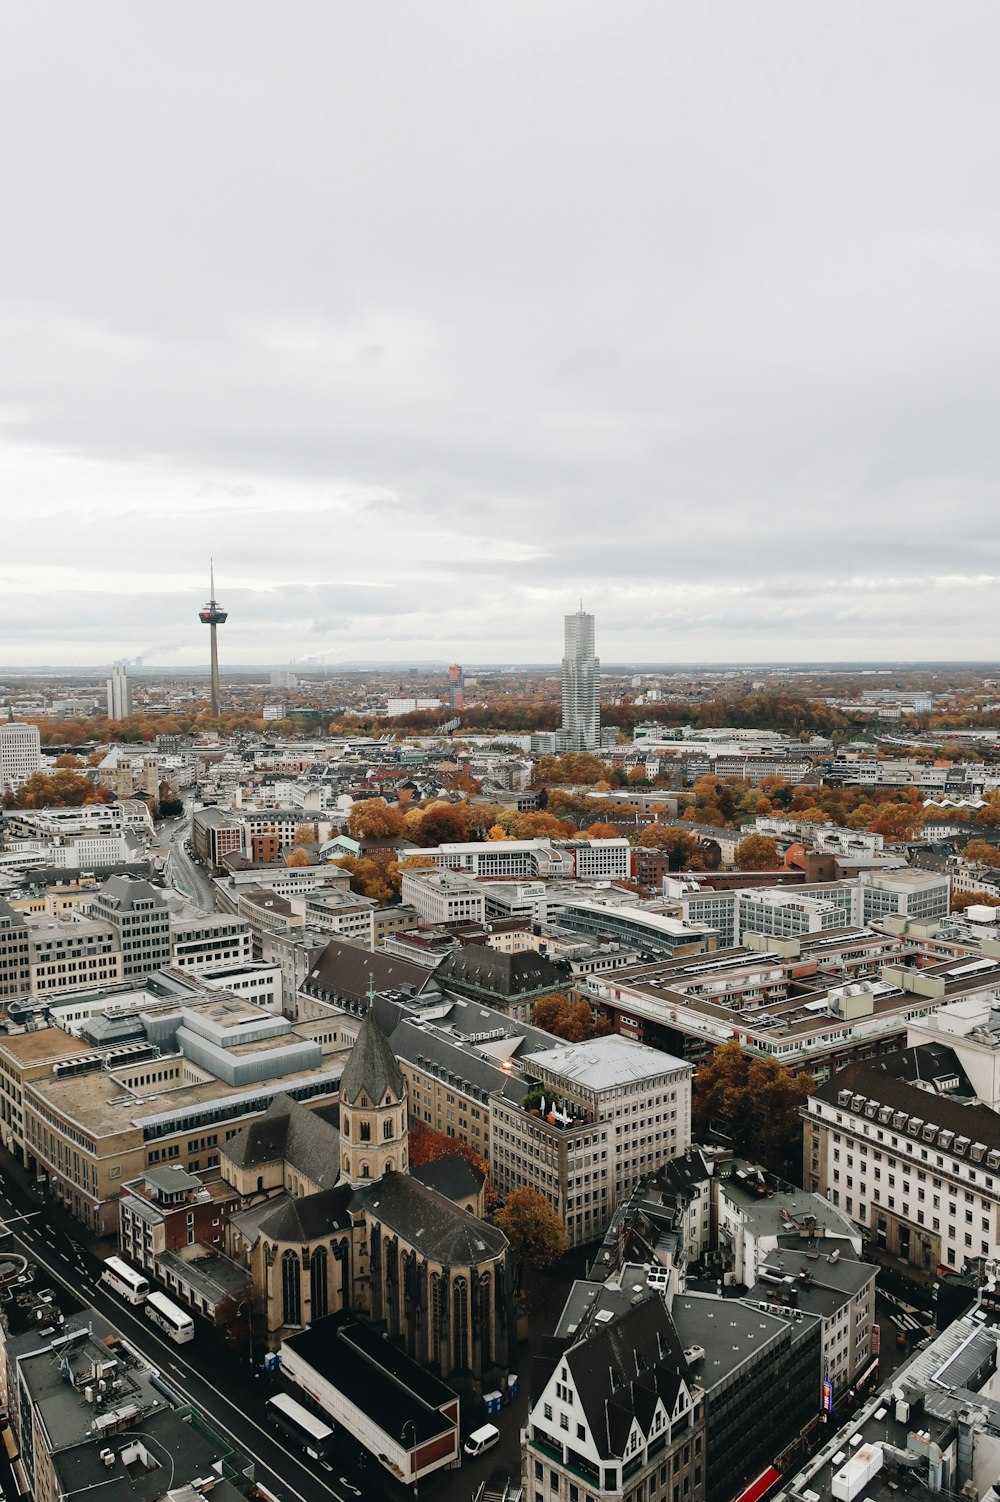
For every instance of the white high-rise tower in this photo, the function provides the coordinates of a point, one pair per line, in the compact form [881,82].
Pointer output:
[119,693]
[581,670]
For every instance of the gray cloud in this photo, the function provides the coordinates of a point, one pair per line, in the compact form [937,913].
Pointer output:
[424,320]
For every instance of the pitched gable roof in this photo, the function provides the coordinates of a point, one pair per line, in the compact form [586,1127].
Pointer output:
[622,1368]
[288,1131]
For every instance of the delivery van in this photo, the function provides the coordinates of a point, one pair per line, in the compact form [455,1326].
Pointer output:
[481,1440]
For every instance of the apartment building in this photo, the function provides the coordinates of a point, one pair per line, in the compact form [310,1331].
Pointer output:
[908,1153]
[140,917]
[27,1056]
[342,914]
[15,957]
[597,1118]
[167,1208]
[214,834]
[444,896]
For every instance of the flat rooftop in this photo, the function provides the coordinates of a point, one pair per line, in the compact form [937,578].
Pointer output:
[603,1063]
[380,1379]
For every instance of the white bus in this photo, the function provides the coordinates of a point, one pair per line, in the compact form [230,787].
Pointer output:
[175,1321]
[299,1424]
[125,1280]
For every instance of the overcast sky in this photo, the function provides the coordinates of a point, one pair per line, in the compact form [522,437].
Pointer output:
[428,318]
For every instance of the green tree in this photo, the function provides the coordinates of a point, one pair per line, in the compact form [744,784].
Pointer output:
[536,1234]
[755,1102]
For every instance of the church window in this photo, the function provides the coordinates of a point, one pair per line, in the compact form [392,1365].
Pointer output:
[366,1131]
[319,1282]
[364,1170]
[291,1290]
[387,1129]
[460,1305]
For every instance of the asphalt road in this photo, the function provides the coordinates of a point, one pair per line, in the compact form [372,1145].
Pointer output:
[206,1372]
[182,872]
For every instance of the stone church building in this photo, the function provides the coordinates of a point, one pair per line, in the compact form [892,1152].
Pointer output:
[335,1219]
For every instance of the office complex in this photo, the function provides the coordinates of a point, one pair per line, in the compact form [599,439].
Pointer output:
[581,714]
[119,694]
[20,754]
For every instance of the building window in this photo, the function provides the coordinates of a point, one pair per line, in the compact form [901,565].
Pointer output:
[318,1283]
[291,1289]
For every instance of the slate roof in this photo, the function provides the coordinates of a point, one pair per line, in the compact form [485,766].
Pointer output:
[621,1369]
[429,1222]
[309,1218]
[881,1081]
[288,1131]
[347,970]
[454,1176]
[122,891]
[487,971]
[372,1066]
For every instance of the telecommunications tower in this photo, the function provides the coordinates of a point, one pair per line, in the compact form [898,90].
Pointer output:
[213,615]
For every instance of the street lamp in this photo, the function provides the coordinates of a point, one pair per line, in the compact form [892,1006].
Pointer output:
[247,1304]
[411,1425]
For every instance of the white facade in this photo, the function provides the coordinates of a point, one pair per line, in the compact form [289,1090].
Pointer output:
[444,896]
[20,754]
[119,694]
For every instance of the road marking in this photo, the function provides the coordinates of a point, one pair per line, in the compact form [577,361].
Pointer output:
[119,1310]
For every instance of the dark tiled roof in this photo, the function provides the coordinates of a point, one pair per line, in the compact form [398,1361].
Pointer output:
[348,970]
[372,1066]
[489,971]
[289,1131]
[454,1176]
[124,890]
[430,1223]
[881,1081]
[309,1218]
[621,1369]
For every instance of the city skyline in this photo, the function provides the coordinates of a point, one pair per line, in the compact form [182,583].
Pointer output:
[707,333]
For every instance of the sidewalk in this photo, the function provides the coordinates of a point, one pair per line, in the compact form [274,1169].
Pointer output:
[22,1189]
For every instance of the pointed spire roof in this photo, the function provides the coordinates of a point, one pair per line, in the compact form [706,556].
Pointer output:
[372,1066]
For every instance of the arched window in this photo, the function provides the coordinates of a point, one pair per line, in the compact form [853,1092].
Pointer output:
[291,1289]
[364,1171]
[438,1307]
[366,1131]
[319,1283]
[387,1128]
[460,1321]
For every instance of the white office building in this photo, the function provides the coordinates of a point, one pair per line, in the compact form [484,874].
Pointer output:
[119,694]
[20,754]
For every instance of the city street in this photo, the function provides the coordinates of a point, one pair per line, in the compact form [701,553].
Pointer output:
[205,1373]
[182,873]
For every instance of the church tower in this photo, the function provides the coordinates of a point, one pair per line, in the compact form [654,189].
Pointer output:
[373,1121]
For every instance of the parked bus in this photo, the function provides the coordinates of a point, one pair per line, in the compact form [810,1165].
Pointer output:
[299,1424]
[125,1280]
[170,1317]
